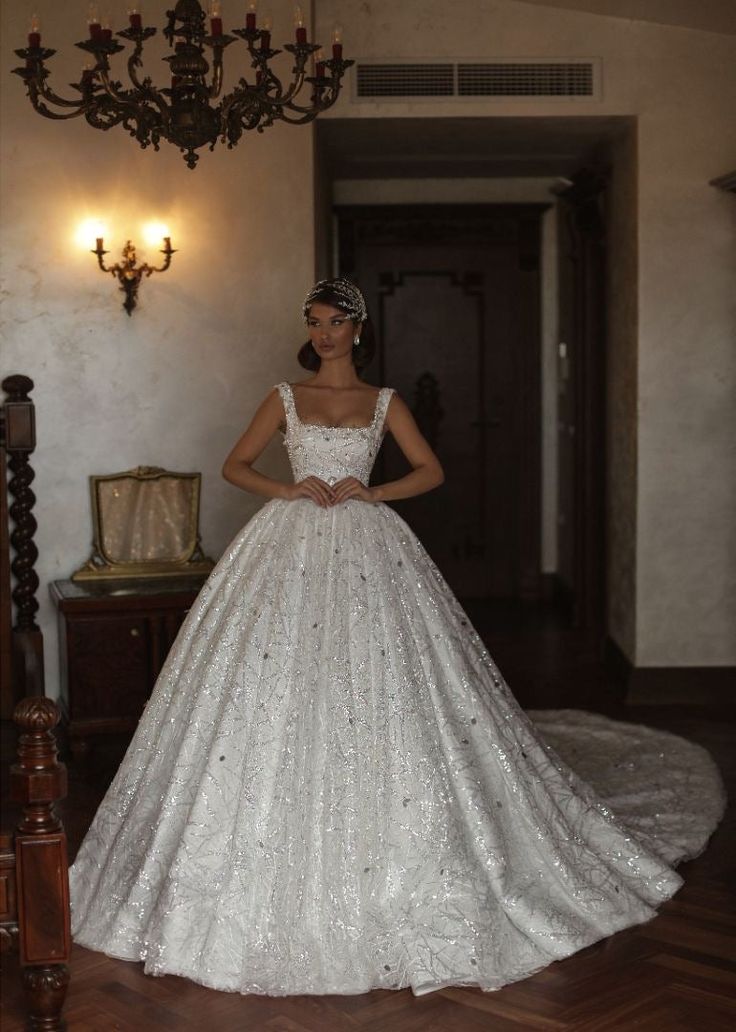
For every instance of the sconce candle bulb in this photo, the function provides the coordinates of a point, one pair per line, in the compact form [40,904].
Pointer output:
[301,32]
[34,34]
[266,34]
[216,17]
[93,21]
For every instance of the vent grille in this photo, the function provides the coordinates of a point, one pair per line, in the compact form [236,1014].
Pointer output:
[465,79]
[406,80]
[525,80]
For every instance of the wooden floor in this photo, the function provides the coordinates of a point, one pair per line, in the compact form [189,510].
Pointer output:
[674,974]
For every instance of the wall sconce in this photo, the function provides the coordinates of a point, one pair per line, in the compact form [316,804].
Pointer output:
[128,272]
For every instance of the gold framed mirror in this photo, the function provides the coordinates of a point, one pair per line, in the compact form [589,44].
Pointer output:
[145,523]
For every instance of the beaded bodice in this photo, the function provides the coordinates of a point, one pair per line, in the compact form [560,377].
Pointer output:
[332,452]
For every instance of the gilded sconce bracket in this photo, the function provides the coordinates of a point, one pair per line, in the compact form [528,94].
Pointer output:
[128,273]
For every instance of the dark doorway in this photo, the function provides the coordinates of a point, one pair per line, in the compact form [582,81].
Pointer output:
[455,292]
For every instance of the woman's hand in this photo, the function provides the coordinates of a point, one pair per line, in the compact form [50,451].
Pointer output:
[350,487]
[311,487]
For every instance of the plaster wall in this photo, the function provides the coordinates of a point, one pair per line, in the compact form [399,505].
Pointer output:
[175,384]
[678,484]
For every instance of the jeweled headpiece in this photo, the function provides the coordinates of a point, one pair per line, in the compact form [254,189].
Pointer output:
[348,298]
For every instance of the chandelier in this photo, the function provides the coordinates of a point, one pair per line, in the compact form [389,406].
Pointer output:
[183,113]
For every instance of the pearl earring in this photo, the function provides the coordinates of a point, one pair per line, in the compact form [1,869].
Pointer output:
[356,341]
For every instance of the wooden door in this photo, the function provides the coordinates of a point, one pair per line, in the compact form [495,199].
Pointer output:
[454,295]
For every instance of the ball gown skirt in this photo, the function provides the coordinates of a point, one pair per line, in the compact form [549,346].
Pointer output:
[332,789]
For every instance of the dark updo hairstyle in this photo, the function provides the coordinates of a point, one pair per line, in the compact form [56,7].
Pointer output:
[362,353]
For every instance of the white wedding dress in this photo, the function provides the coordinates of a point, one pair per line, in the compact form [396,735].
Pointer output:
[332,789]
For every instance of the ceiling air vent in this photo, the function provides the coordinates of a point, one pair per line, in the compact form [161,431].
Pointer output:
[555,78]
[540,79]
[406,80]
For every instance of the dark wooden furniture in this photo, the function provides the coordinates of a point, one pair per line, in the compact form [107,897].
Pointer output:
[34,884]
[21,644]
[114,637]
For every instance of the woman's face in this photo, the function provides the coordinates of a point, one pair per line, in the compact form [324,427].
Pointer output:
[331,331]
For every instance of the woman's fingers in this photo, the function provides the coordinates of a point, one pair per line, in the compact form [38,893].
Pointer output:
[325,491]
[340,490]
[320,492]
[325,495]
[348,488]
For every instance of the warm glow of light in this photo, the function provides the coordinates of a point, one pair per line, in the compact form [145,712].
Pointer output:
[298,17]
[215,9]
[154,233]
[89,231]
[337,34]
[35,23]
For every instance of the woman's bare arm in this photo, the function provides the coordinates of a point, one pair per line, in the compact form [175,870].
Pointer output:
[238,466]
[426,473]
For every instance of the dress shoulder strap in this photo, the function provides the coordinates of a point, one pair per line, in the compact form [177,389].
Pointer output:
[287,397]
[384,397]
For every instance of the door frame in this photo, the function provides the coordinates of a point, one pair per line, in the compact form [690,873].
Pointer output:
[583,243]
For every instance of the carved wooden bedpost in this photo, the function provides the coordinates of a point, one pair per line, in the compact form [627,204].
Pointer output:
[18,433]
[37,780]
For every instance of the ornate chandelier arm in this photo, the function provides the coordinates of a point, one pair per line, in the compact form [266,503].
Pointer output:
[123,98]
[301,119]
[261,56]
[301,52]
[321,99]
[34,92]
[102,50]
[218,44]
[34,75]
[143,89]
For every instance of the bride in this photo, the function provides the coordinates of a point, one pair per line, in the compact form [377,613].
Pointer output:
[332,788]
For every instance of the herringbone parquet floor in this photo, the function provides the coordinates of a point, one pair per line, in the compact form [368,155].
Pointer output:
[674,974]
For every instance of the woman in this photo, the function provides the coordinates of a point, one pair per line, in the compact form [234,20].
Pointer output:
[332,788]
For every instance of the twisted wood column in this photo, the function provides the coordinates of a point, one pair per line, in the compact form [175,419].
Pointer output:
[19,441]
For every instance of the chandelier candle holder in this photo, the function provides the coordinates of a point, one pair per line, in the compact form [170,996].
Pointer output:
[183,113]
[128,273]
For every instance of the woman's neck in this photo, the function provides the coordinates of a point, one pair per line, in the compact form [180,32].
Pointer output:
[336,374]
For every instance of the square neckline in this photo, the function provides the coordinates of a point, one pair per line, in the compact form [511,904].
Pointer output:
[328,426]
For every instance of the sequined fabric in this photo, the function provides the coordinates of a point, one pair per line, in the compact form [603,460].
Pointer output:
[332,788]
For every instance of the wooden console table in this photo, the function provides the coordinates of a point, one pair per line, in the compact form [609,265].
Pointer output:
[113,640]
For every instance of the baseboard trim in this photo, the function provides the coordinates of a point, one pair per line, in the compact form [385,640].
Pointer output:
[675,686]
